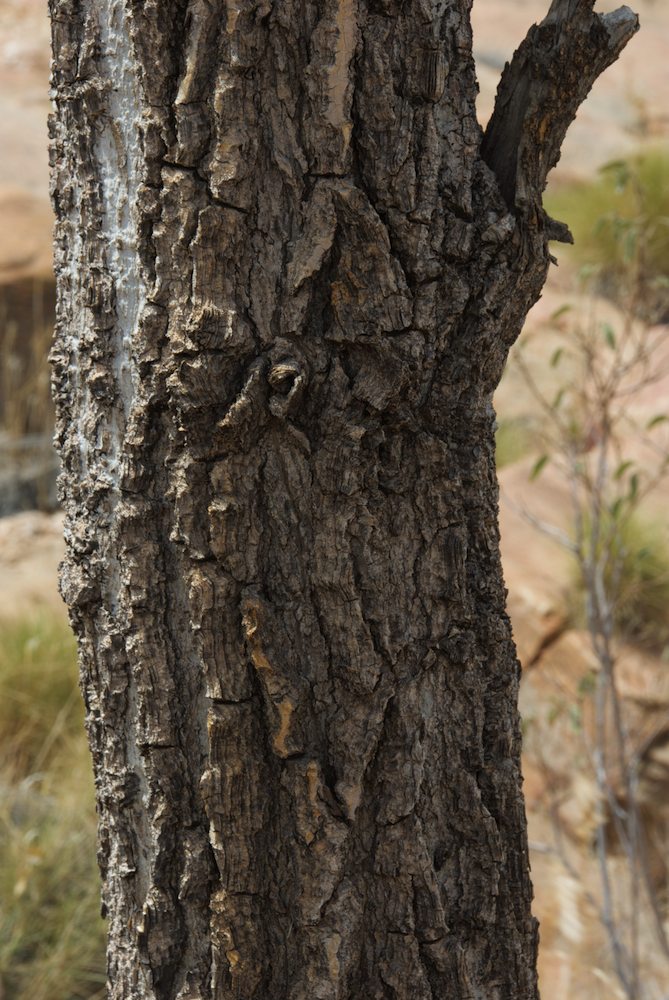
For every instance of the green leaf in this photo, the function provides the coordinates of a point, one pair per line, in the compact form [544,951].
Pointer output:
[629,246]
[560,312]
[616,507]
[634,486]
[620,171]
[539,466]
[612,165]
[555,357]
[588,271]
[620,168]
[575,718]
[602,226]
[622,468]
[586,685]
[660,418]
[609,335]
[559,396]
[554,713]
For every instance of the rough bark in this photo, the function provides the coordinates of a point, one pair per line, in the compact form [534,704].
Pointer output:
[288,281]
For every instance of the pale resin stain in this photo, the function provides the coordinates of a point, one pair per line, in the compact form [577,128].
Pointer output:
[118,152]
[332,949]
[347,31]
[285,709]
[233,958]
[351,795]
[260,661]
[233,14]
[228,157]
[313,785]
[199,14]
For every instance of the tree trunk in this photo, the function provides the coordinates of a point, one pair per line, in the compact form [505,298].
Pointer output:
[289,275]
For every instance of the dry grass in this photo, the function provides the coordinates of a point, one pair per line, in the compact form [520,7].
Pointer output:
[51,933]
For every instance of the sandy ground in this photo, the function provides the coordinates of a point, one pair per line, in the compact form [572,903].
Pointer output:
[31,546]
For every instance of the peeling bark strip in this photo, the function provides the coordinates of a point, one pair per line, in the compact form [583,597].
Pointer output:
[289,275]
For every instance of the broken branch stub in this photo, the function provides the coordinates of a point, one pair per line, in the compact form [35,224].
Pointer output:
[540,91]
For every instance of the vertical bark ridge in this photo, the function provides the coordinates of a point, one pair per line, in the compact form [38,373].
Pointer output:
[288,284]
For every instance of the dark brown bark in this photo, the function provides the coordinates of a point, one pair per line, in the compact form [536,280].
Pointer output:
[288,282]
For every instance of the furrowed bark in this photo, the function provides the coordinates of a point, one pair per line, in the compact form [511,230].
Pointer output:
[288,282]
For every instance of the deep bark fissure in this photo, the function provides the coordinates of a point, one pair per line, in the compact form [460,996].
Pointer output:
[287,286]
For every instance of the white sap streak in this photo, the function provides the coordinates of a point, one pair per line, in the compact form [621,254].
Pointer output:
[118,153]
[77,320]
[119,163]
[73,319]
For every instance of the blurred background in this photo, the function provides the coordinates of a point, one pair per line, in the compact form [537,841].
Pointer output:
[583,451]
